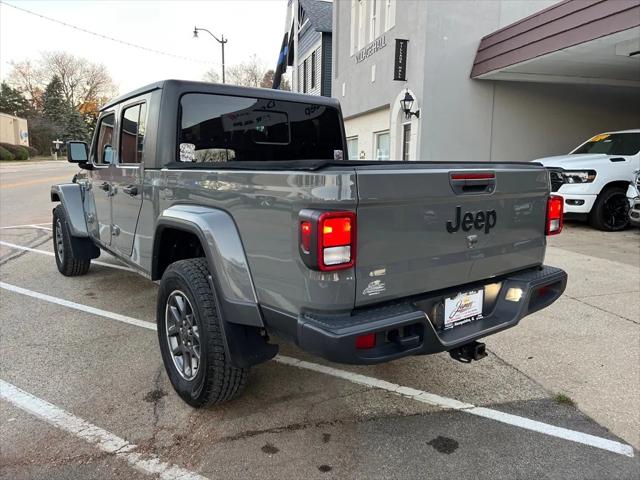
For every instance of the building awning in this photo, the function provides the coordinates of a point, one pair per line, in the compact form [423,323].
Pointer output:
[574,41]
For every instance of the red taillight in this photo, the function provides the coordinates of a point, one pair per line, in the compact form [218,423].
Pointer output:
[328,239]
[305,236]
[542,291]
[336,242]
[336,231]
[366,341]
[555,213]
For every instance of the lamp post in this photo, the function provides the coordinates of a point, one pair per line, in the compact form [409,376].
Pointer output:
[406,103]
[220,41]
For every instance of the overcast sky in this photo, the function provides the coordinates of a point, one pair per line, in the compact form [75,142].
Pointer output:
[252,27]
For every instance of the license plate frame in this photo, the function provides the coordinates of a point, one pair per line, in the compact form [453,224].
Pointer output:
[463,308]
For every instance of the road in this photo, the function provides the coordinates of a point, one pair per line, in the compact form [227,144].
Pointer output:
[84,393]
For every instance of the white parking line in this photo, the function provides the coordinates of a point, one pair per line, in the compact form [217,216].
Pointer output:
[51,254]
[31,225]
[453,404]
[78,306]
[102,439]
[41,227]
[412,393]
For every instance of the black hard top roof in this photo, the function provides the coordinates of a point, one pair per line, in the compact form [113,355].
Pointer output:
[187,86]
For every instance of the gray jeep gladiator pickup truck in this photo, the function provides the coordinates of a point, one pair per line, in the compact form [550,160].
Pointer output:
[238,201]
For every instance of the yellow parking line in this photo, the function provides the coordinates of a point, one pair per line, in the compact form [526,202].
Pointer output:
[34,182]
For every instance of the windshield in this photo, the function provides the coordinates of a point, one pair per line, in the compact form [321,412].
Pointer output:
[612,144]
[223,128]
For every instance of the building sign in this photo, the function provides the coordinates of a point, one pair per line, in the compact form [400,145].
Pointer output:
[378,44]
[400,63]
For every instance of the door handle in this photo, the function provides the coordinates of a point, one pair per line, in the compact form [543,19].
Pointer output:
[105,186]
[130,190]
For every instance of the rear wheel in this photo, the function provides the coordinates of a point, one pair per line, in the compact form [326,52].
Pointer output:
[68,264]
[191,337]
[610,211]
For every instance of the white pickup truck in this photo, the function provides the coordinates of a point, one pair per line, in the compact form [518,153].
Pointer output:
[593,179]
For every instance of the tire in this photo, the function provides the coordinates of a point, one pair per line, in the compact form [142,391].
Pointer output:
[211,379]
[68,264]
[610,210]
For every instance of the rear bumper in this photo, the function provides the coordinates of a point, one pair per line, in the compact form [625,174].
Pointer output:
[406,328]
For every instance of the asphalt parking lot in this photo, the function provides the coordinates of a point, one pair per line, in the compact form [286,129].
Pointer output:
[84,393]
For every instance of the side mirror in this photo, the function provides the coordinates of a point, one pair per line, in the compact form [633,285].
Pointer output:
[77,152]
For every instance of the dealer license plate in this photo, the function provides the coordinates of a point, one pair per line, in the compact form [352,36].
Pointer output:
[463,308]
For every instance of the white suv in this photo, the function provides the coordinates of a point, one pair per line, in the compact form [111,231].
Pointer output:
[593,178]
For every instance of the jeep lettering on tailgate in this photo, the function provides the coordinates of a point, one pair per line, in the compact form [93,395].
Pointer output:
[481,220]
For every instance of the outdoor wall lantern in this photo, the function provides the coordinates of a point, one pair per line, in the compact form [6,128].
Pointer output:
[406,103]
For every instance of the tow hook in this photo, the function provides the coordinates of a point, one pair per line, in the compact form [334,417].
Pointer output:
[470,351]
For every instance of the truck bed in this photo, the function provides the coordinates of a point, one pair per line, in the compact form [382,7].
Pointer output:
[403,209]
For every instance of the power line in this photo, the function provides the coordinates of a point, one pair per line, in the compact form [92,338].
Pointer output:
[106,37]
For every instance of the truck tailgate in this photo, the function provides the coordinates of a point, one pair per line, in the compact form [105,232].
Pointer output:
[428,227]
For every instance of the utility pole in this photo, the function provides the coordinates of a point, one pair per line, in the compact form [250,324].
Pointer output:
[220,41]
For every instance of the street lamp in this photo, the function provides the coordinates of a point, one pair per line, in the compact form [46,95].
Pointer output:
[406,103]
[220,41]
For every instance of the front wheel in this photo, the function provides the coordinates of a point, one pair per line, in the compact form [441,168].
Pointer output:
[610,212]
[191,337]
[68,264]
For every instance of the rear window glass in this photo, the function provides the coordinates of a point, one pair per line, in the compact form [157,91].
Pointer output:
[612,144]
[221,128]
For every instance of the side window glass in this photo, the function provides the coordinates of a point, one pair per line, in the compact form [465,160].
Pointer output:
[132,132]
[104,147]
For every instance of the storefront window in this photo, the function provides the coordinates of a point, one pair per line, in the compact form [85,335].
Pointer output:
[406,141]
[352,148]
[390,15]
[382,146]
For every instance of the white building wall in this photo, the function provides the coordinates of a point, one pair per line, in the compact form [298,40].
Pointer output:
[365,127]
[466,119]
[461,118]
[13,130]
[533,120]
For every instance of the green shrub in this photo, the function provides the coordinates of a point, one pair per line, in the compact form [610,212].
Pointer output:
[11,147]
[21,153]
[18,151]
[33,152]
[6,154]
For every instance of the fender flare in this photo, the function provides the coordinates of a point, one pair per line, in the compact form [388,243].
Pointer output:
[231,280]
[70,196]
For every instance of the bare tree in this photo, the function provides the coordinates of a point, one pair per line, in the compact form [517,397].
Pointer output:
[267,79]
[211,76]
[245,74]
[29,79]
[83,82]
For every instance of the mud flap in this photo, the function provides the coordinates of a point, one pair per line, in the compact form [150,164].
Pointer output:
[245,345]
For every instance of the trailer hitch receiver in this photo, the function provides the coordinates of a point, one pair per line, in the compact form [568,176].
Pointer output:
[470,351]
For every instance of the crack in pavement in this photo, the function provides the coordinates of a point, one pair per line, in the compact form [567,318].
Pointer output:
[621,317]
[605,294]
[293,427]
[312,405]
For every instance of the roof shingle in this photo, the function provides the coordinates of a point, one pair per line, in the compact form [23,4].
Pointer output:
[320,14]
